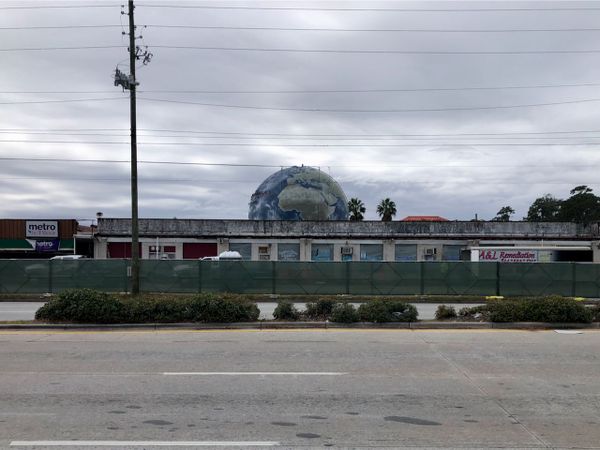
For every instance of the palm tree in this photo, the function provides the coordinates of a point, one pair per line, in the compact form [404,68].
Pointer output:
[356,208]
[386,210]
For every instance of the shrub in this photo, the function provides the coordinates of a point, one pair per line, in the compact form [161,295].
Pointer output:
[161,309]
[544,309]
[210,308]
[473,312]
[321,309]
[387,311]
[596,312]
[344,313]
[82,306]
[444,312]
[88,306]
[286,311]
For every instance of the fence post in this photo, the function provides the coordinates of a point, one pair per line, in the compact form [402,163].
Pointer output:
[273,280]
[199,262]
[347,277]
[573,279]
[422,277]
[50,284]
[126,275]
[497,277]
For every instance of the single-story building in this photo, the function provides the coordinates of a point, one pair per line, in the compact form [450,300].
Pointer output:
[278,240]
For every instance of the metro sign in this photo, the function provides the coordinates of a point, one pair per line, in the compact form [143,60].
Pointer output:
[41,228]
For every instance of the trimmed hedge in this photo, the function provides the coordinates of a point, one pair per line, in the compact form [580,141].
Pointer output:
[387,311]
[286,311]
[89,306]
[546,309]
[321,309]
[596,312]
[344,313]
[82,306]
[444,312]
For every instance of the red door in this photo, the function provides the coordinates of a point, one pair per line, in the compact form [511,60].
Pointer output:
[120,250]
[195,250]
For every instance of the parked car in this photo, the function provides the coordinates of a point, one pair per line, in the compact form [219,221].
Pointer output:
[224,256]
[68,257]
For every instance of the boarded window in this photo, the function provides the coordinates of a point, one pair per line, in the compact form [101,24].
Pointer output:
[288,252]
[406,252]
[451,252]
[371,252]
[243,248]
[321,252]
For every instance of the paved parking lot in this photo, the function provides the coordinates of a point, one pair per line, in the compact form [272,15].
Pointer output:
[312,388]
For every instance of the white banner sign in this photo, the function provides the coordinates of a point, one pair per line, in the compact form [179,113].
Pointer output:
[510,256]
[41,228]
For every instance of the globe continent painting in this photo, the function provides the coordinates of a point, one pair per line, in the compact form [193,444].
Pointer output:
[299,193]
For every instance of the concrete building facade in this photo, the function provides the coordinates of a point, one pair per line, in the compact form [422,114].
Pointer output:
[260,240]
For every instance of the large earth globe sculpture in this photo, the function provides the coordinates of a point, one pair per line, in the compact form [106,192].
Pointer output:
[299,193]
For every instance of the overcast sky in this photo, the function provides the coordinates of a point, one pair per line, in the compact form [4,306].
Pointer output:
[462,149]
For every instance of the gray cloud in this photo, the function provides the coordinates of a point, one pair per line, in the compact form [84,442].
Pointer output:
[481,179]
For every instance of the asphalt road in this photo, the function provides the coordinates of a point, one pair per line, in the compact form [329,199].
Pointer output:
[26,310]
[294,389]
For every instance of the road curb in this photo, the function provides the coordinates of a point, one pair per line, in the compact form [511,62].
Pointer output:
[274,325]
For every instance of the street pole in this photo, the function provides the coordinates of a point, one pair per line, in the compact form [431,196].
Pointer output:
[135,250]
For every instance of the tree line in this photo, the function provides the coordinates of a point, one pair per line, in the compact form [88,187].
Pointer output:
[582,206]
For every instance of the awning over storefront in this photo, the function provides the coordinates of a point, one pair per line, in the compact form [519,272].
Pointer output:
[29,245]
[16,244]
[66,244]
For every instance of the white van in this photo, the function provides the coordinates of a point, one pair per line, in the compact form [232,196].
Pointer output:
[224,256]
[68,257]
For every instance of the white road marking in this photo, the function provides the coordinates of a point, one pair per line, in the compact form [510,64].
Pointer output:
[128,444]
[326,374]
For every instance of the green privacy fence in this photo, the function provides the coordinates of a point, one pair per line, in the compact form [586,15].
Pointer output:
[258,277]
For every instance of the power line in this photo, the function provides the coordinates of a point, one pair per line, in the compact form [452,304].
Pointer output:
[384,90]
[288,138]
[61,92]
[254,107]
[126,161]
[407,10]
[325,51]
[58,27]
[25,102]
[378,52]
[376,30]
[202,180]
[237,144]
[271,166]
[146,179]
[300,135]
[324,91]
[36,49]
[344,30]
[86,5]
[460,108]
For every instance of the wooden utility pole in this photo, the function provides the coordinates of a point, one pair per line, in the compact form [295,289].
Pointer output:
[135,247]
